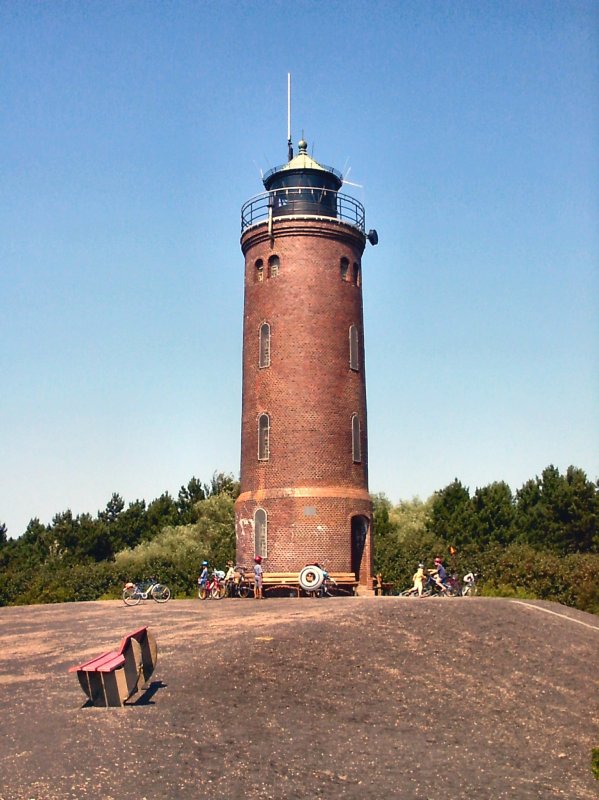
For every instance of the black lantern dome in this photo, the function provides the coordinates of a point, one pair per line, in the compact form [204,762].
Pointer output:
[303,186]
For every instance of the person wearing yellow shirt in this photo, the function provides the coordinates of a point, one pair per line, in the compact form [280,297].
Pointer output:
[418,579]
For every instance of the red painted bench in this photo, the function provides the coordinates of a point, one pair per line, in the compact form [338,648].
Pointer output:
[110,679]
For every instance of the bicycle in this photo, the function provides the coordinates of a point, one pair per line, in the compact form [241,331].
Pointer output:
[470,588]
[412,593]
[214,587]
[452,588]
[134,593]
[329,585]
[431,588]
[242,585]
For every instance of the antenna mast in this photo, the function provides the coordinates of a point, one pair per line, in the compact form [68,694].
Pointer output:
[289,145]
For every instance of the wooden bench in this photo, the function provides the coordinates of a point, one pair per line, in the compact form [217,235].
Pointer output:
[346,581]
[380,586]
[113,677]
[280,580]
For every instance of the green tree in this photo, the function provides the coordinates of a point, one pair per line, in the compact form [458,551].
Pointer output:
[222,483]
[402,538]
[130,527]
[188,497]
[161,512]
[3,534]
[216,524]
[94,540]
[559,512]
[494,514]
[115,505]
[64,535]
[452,516]
[35,533]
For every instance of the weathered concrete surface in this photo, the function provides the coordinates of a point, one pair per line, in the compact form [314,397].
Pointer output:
[348,698]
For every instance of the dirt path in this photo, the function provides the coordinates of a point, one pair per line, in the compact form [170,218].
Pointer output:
[349,698]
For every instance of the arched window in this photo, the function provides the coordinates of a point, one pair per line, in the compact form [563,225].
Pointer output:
[263,437]
[273,266]
[356,446]
[259,272]
[343,268]
[260,524]
[264,346]
[354,360]
[356,274]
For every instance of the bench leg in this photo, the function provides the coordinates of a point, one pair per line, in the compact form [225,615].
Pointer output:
[93,686]
[115,687]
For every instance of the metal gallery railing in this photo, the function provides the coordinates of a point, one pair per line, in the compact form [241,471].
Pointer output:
[302,201]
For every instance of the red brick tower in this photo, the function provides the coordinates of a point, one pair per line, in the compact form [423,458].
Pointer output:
[304,456]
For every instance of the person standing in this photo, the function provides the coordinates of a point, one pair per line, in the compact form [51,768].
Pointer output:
[230,579]
[258,577]
[418,579]
[203,579]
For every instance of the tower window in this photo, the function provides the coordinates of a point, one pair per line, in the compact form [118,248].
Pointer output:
[260,539]
[259,272]
[273,266]
[356,274]
[356,447]
[354,360]
[263,437]
[343,268]
[264,346]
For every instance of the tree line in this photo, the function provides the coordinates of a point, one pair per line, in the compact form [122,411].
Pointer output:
[541,541]
[84,558]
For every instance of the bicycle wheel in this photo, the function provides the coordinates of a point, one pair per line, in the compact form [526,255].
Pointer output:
[202,593]
[215,592]
[244,590]
[131,596]
[160,593]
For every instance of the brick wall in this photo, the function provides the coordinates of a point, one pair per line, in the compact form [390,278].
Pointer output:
[310,486]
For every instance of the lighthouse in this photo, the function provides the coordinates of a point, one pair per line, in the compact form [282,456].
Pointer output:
[304,438]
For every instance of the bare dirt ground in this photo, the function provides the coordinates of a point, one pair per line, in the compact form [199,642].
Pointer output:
[345,698]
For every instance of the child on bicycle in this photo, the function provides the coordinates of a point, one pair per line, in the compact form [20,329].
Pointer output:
[439,575]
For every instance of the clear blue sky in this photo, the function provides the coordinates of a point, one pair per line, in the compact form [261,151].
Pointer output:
[132,132]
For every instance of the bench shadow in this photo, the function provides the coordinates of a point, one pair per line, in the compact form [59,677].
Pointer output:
[145,698]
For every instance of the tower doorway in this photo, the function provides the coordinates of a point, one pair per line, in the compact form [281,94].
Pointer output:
[359,534]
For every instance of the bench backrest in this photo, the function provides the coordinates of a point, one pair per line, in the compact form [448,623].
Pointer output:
[149,650]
